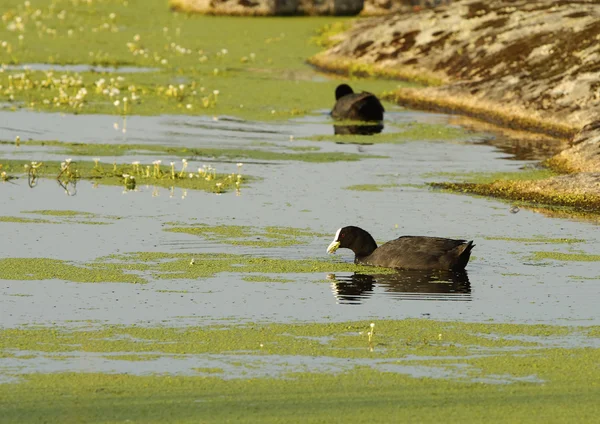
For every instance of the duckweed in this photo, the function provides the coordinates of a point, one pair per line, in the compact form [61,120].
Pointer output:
[250,236]
[130,175]
[370,187]
[465,363]
[559,256]
[413,131]
[537,239]
[257,71]
[309,154]
[138,267]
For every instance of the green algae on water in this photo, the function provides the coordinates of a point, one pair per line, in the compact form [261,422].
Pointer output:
[559,256]
[63,213]
[463,364]
[130,175]
[138,267]
[22,220]
[53,269]
[255,69]
[413,131]
[261,278]
[307,153]
[529,174]
[370,187]
[250,236]
[537,239]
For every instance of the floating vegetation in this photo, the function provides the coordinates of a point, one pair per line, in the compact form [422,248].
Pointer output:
[526,174]
[370,187]
[559,256]
[140,266]
[528,192]
[322,361]
[130,175]
[191,76]
[261,278]
[537,239]
[96,149]
[250,236]
[414,131]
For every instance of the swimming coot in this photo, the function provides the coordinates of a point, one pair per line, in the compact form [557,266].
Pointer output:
[356,106]
[407,252]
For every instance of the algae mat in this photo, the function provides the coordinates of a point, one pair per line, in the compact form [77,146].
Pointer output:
[420,370]
[202,65]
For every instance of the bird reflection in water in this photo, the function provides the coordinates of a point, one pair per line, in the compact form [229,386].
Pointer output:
[358,129]
[405,285]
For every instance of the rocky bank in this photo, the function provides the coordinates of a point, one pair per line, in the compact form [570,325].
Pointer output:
[532,65]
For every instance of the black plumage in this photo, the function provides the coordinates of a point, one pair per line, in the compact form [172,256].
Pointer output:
[353,106]
[406,252]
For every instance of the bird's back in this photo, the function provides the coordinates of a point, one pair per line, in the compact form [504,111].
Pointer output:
[417,252]
[358,107]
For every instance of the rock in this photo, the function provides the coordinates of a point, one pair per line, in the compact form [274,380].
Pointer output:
[536,55]
[269,7]
[382,7]
[331,7]
[584,155]
[237,7]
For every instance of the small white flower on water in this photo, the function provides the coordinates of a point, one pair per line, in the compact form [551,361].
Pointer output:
[135,162]
[184,161]
[68,160]
[172,163]
[240,164]
[190,175]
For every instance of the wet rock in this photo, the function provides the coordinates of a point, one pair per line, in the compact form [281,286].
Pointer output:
[535,55]
[237,7]
[382,7]
[584,155]
[532,65]
[269,7]
[331,7]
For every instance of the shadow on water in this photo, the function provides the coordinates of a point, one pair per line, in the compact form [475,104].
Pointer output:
[357,129]
[407,285]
